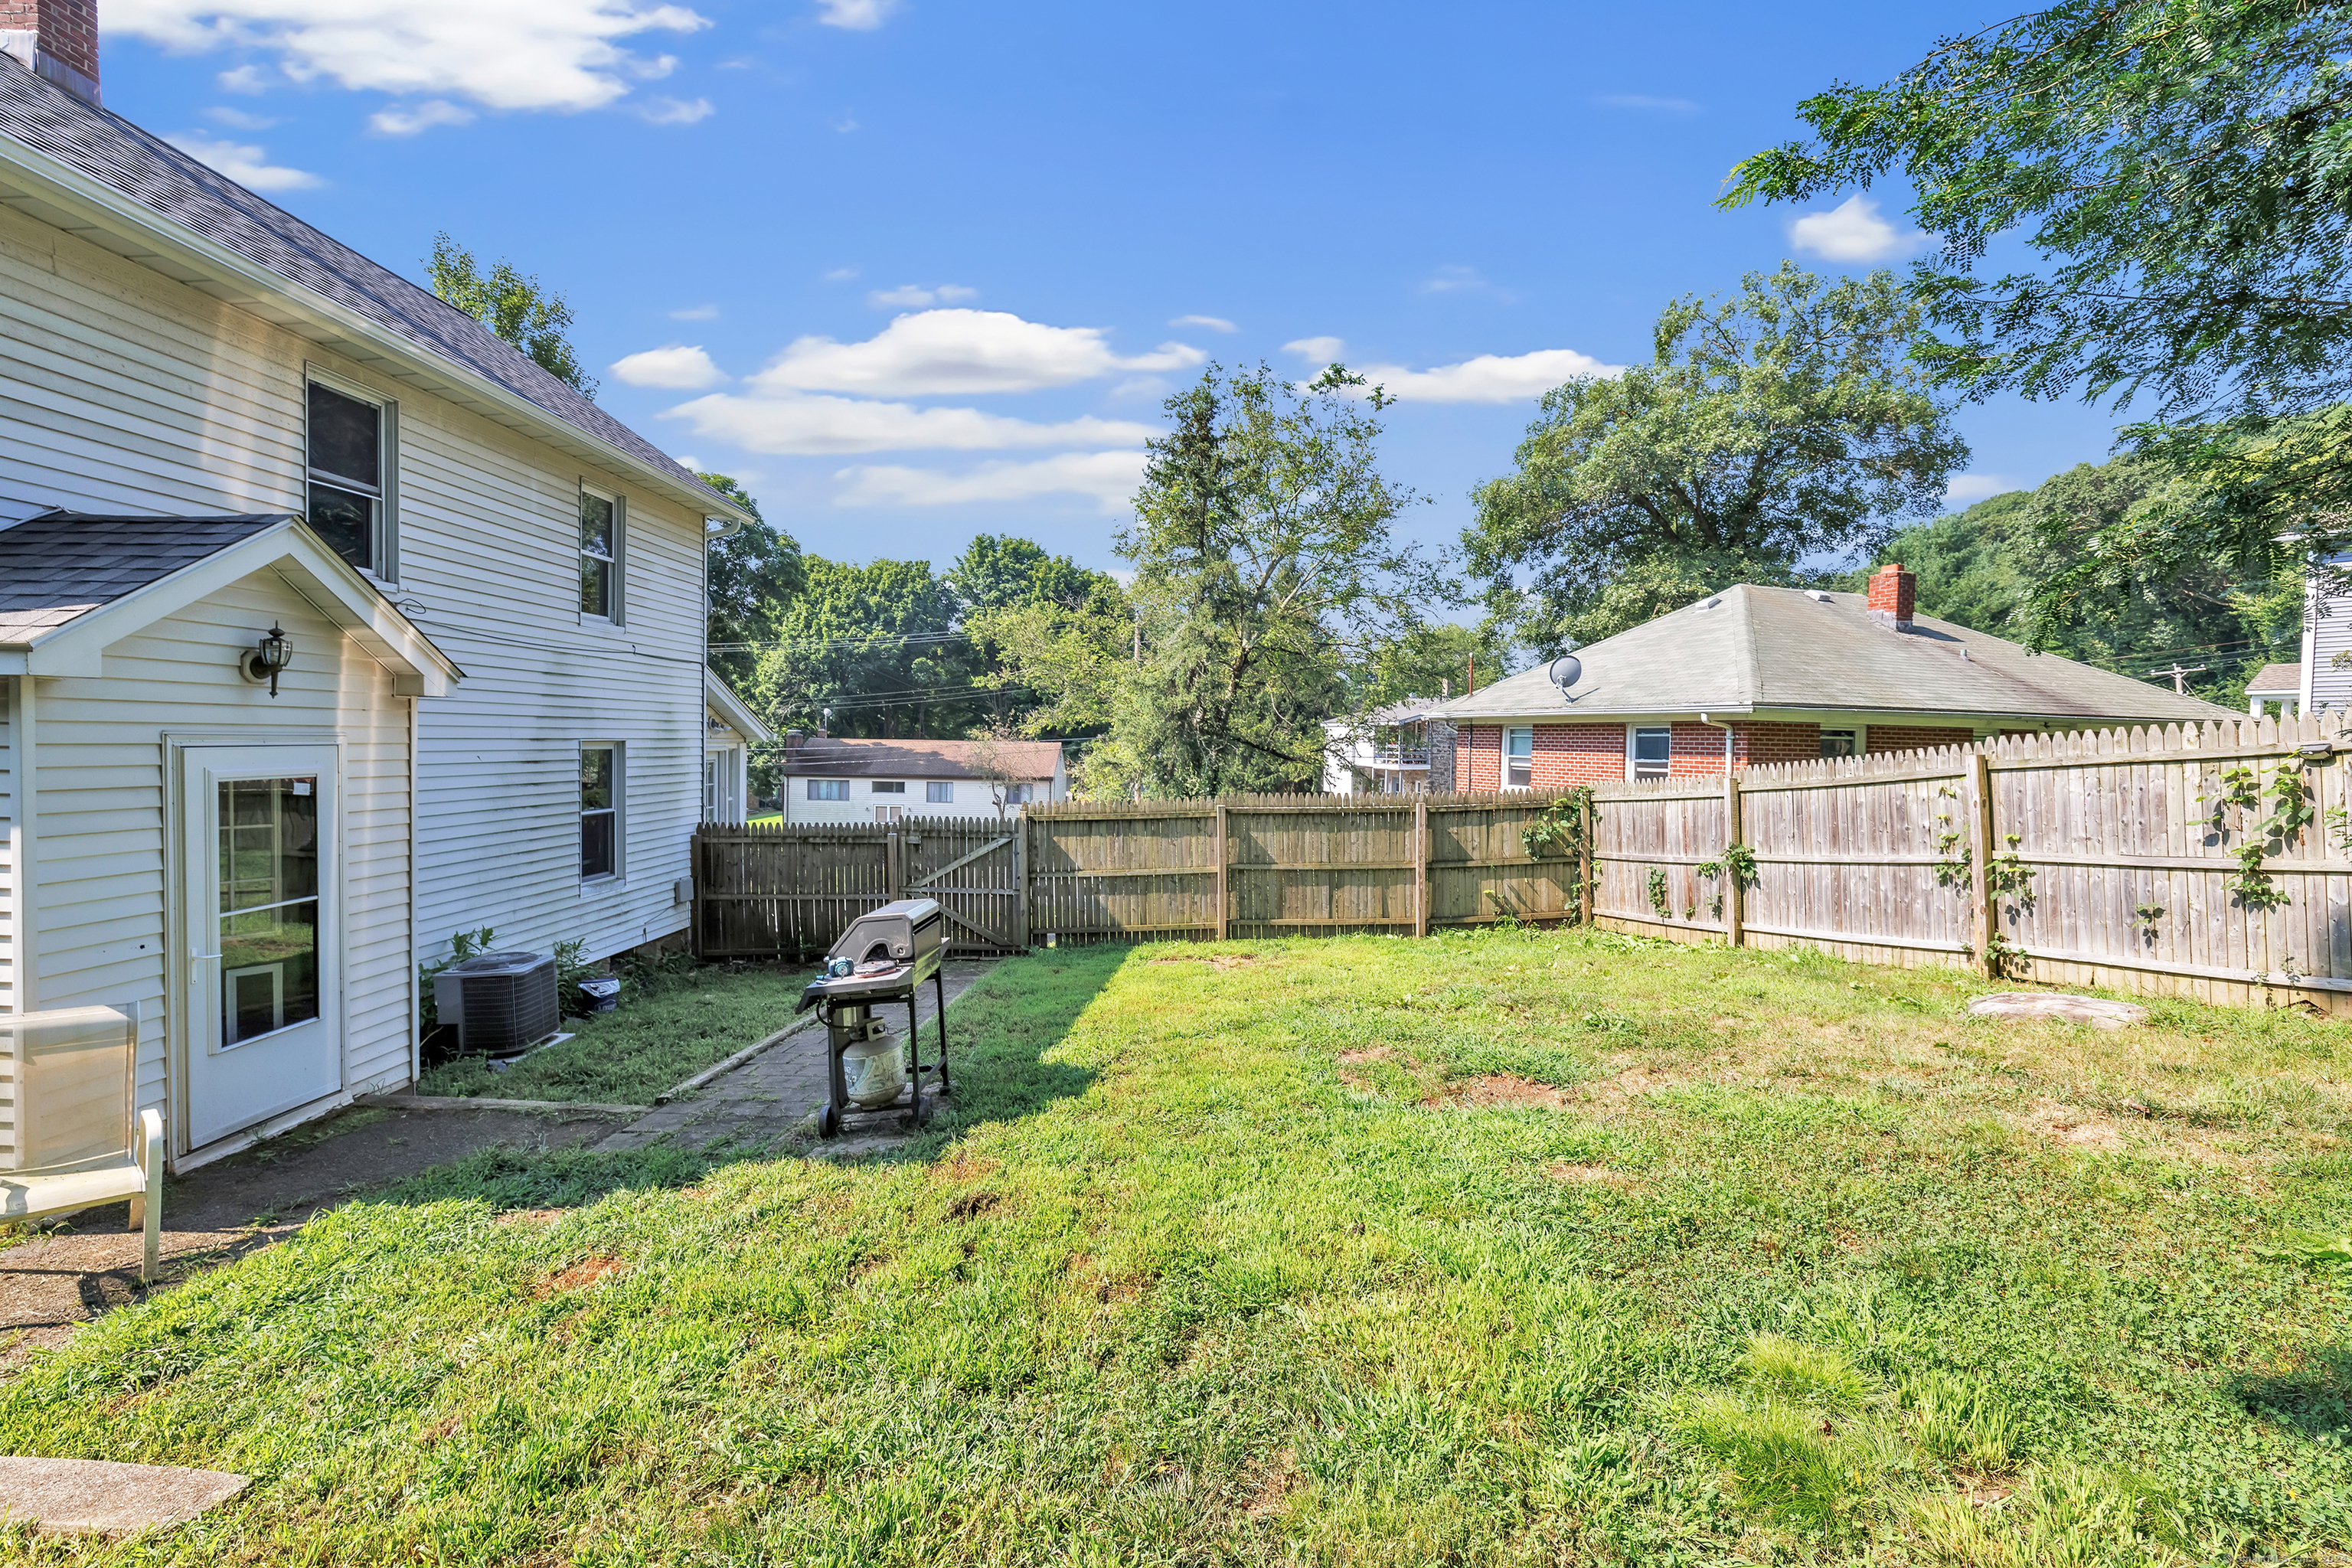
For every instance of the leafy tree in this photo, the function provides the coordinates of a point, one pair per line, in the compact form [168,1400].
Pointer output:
[2178,167]
[513,305]
[1425,661]
[877,645]
[1265,553]
[1980,568]
[1780,424]
[996,571]
[755,573]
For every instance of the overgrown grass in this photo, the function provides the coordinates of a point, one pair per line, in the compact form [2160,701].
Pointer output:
[1514,1248]
[626,1056]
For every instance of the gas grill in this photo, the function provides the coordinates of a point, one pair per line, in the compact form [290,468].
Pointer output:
[883,958]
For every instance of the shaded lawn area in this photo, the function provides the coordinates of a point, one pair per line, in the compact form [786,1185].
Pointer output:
[649,1044]
[1508,1248]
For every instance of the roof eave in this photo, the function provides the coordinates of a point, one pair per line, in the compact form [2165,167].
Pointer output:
[345,331]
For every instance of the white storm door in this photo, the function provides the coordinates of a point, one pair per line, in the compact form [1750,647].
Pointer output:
[264,1017]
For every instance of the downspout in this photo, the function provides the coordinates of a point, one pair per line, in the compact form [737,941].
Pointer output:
[25,854]
[1730,755]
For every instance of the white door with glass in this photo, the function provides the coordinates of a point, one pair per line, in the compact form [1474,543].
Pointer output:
[264,1017]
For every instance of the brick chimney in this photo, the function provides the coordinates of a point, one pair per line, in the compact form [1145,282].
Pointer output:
[56,39]
[1892,591]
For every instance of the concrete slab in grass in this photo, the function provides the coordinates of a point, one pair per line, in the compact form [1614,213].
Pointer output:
[98,1497]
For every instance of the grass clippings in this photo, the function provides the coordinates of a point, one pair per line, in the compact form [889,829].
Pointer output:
[1797,1268]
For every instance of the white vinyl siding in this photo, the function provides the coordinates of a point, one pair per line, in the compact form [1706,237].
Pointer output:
[858,803]
[123,391]
[2329,635]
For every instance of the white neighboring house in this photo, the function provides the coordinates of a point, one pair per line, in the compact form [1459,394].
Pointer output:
[223,434]
[829,780]
[730,732]
[2321,679]
[1396,749]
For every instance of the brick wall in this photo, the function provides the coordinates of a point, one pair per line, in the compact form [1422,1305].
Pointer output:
[1913,738]
[1571,754]
[1478,757]
[69,28]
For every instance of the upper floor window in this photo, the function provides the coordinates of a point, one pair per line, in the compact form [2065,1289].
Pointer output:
[349,460]
[940,791]
[1649,754]
[1519,757]
[828,789]
[600,555]
[890,786]
[1020,794]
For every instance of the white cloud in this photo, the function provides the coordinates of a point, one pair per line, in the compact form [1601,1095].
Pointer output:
[244,163]
[1110,478]
[792,425]
[1459,280]
[402,120]
[846,124]
[244,78]
[691,465]
[1214,323]
[841,275]
[505,54]
[696,314]
[1316,352]
[677,368]
[676,110]
[239,119]
[1642,100]
[1142,387]
[858,15]
[1853,231]
[1975,487]
[1489,378]
[956,352]
[915,295]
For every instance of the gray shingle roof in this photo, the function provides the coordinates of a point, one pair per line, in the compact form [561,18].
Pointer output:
[115,153]
[2276,680]
[1791,648]
[64,564]
[837,758]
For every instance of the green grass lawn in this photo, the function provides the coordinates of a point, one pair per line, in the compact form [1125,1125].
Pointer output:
[1505,1249]
[630,1055]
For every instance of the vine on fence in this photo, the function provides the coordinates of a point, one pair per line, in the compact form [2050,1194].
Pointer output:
[1658,900]
[1955,859]
[2010,874]
[1565,828]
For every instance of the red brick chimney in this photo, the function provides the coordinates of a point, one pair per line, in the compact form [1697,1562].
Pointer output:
[56,39]
[1892,591]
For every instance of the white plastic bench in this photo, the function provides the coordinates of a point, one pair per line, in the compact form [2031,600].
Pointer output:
[72,1134]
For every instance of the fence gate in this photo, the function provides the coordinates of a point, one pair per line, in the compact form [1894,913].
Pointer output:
[773,892]
[973,868]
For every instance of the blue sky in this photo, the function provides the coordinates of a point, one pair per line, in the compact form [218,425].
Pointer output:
[918,270]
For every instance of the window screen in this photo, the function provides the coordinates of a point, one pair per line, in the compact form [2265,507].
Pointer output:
[346,490]
[1653,753]
[599,812]
[1519,757]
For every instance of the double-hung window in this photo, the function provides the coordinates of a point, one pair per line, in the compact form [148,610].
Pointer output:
[349,441]
[600,555]
[1649,754]
[1519,757]
[828,789]
[600,811]
[940,791]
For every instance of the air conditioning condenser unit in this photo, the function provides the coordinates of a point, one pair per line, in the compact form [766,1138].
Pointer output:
[501,1003]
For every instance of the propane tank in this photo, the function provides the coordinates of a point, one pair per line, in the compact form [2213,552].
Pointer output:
[873,1069]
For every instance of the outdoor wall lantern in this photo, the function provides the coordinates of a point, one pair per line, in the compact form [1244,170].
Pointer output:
[266,659]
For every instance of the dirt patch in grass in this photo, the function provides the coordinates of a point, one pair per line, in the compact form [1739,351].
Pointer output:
[579,1276]
[1499,1089]
[1217,961]
[2072,1126]
[1276,1479]
[972,1206]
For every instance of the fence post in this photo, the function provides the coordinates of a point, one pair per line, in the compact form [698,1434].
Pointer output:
[1021,883]
[1585,891]
[1421,867]
[894,878]
[1735,911]
[1985,924]
[1224,854]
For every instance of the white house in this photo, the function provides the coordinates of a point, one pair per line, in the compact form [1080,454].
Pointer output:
[228,442]
[730,732]
[822,778]
[1397,750]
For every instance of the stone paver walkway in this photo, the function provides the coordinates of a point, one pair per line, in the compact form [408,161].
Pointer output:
[777,1092]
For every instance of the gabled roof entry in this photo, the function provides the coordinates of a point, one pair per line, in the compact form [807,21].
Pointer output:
[73,583]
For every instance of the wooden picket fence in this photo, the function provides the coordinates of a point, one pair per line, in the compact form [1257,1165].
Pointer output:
[2117,857]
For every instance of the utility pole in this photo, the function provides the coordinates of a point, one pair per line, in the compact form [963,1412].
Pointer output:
[2179,676]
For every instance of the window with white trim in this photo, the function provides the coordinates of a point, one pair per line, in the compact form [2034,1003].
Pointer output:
[600,811]
[828,789]
[890,786]
[940,791]
[348,458]
[1020,794]
[1649,752]
[600,555]
[1519,757]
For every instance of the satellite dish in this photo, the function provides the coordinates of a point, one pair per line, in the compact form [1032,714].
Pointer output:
[1566,671]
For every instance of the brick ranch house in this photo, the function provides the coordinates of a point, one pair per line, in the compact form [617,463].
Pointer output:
[1755,675]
